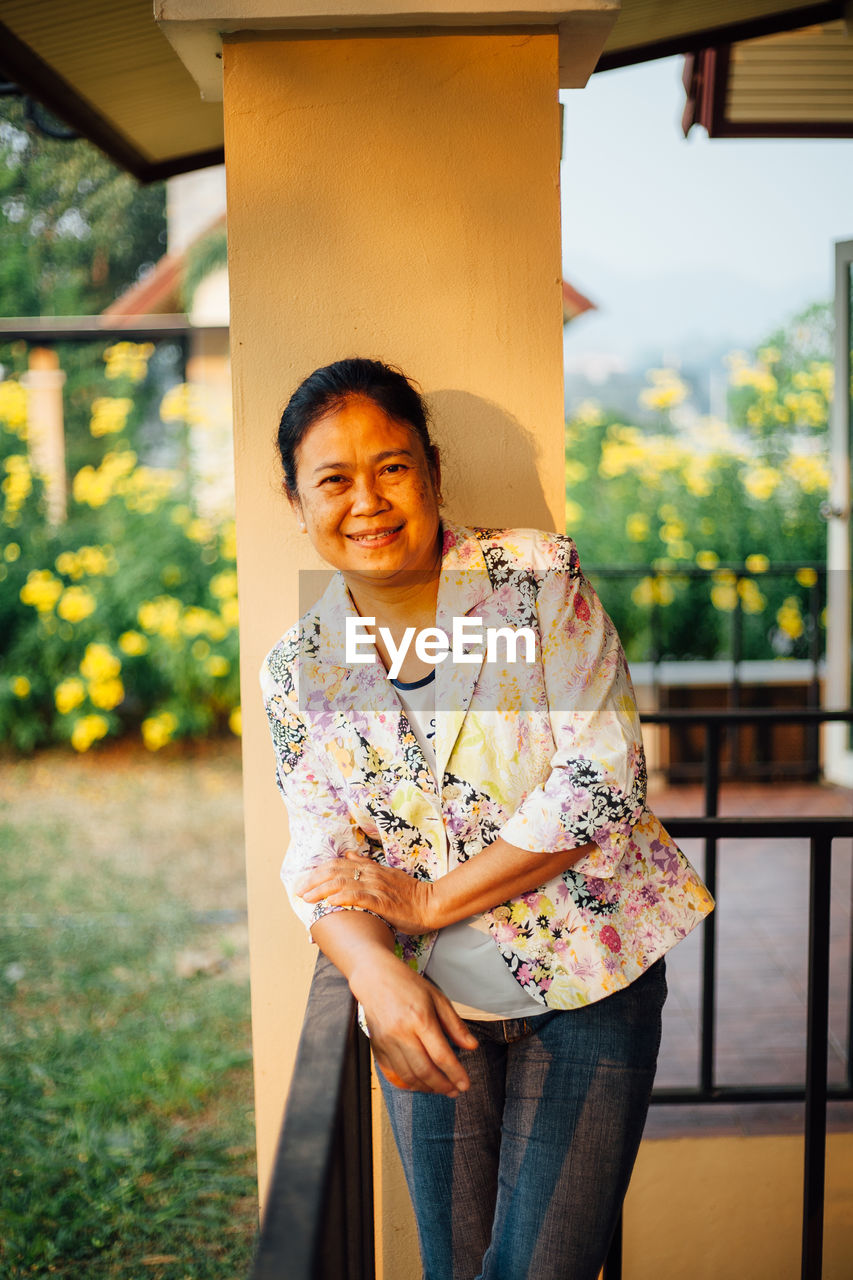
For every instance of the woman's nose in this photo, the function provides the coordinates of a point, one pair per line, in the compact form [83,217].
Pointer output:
[367,497]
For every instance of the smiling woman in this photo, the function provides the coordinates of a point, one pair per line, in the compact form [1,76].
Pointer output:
[470,843]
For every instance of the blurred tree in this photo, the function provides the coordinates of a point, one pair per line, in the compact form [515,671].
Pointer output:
[75,230]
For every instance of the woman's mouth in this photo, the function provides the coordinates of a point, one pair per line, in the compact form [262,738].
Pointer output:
[377,538]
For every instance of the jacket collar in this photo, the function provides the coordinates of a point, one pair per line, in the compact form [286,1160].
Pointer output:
[463,586]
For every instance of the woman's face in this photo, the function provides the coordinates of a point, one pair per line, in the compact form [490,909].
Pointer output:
[366,494]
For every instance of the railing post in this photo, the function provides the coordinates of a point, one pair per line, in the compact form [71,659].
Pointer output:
[709,931]
[816,1058]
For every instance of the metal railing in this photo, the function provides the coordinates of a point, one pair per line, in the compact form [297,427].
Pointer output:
[318,1223]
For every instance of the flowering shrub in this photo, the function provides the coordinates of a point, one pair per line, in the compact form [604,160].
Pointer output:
[711,512]
[124,618]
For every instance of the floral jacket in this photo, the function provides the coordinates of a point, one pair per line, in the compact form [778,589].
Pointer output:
[546,753]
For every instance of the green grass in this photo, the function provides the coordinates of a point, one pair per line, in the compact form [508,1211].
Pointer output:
[126,1145]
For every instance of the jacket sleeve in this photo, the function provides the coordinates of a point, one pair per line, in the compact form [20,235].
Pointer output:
[596,790]
[321,826]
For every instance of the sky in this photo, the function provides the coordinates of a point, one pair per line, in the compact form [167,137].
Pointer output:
[692,245]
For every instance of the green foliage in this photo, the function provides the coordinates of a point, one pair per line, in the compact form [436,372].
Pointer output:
[711,510]
[109,1064]
[204,257]
[124,618]
[75,231]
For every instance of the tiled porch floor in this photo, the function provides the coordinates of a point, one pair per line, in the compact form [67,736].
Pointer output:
[762,934]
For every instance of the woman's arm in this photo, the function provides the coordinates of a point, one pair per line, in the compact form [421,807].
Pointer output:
[499,872]
[408,1018]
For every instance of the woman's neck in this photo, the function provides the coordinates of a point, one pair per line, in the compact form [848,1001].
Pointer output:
[397,606]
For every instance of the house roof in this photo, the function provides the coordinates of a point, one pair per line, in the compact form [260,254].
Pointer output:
[574,303]
[794,84]
[159,291]
[107,69]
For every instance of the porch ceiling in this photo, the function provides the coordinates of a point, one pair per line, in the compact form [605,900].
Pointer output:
[106,68]
[797,83]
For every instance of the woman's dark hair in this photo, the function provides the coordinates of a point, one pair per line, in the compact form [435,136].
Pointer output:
[328,388]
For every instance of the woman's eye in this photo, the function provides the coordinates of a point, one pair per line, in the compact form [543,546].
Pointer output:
[332,480]
[393,467]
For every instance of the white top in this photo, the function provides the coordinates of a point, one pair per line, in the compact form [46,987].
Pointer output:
[465,963]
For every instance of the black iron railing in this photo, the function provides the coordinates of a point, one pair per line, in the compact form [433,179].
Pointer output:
[318,1223]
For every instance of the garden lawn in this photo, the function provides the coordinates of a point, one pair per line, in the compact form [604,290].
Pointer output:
[126,1141]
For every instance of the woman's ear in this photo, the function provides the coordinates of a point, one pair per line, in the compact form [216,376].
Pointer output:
[296,508]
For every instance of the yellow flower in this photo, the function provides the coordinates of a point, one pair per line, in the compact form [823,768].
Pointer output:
[707,559]
[761,482]
[109,415]
[575,471]
[11,552]
[667,390]
[132,643]
[41,590]
[88,729]
[158,729]
[752,601]
[106,694]
[200,530]
[69,694]
[235,722]
[68,564]
[724,591]
[230,613]
[181,515]
[769,355]
[13,407]
[228,540]
[160,616]
[94,561]
[95,487]
[184,403]
[128,360]
[649,591]
[574,514]
[217,666]
[696,477]
[17,485]
[760,379]
[200,650]
[809,470]
[224,585]
[76,604]
[196,620]
[757,563]
[673,531]
[99,663]
[806,577]
[588,414]
[790,619]
[21,686]
[637,526]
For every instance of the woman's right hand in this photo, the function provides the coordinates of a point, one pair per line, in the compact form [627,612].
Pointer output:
[410,1022]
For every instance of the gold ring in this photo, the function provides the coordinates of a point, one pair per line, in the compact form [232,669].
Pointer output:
[357,875]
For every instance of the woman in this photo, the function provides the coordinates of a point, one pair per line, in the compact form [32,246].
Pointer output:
[469,839]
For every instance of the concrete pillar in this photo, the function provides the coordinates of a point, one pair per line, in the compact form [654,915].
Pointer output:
[44,381]
[393,196]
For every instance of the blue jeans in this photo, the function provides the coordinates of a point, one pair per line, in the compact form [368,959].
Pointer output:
[525,1174]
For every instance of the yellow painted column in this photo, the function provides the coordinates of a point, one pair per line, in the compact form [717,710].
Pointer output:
[392,196]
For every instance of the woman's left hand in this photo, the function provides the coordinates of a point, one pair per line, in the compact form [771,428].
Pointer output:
[358,881]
